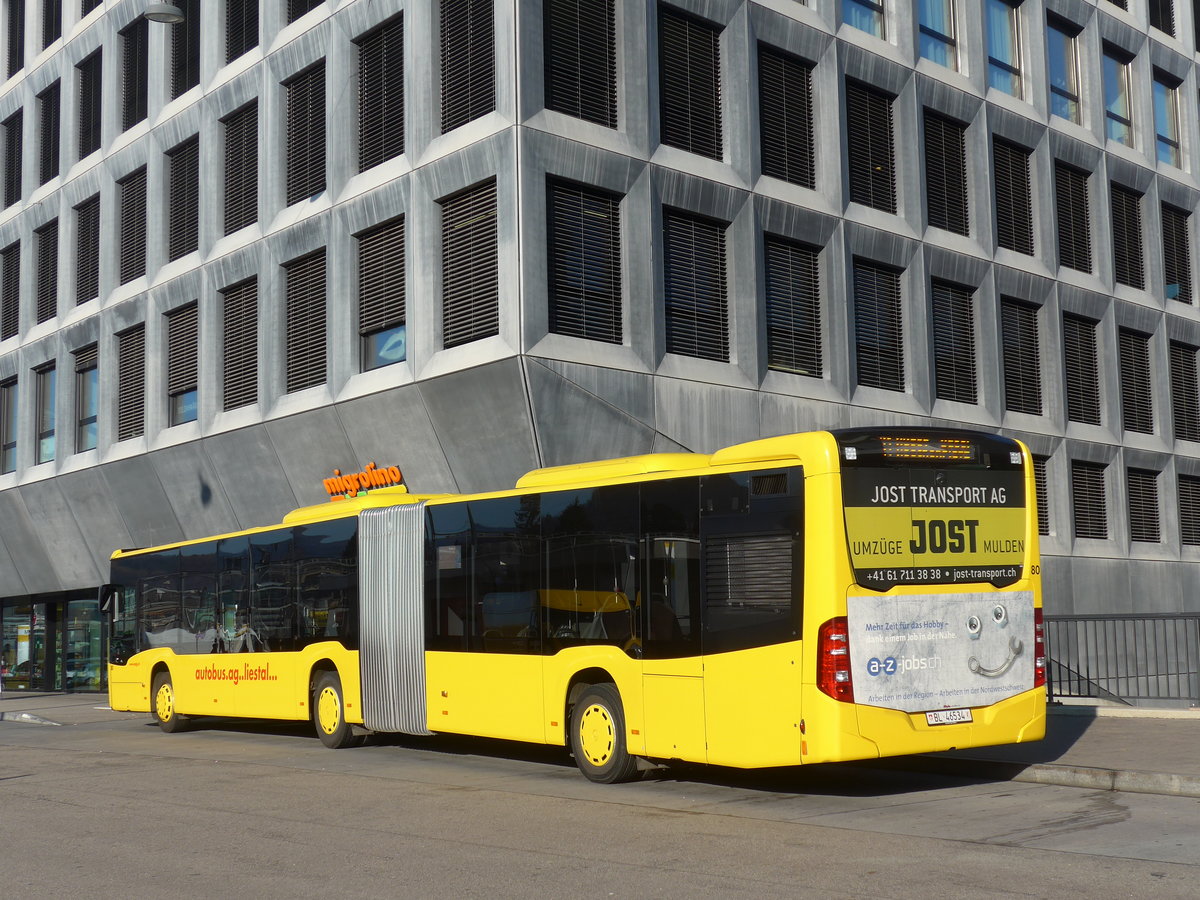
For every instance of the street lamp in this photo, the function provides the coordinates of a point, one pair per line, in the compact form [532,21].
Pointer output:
[166,13]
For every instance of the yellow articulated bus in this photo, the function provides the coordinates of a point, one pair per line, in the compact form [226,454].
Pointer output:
[807,598]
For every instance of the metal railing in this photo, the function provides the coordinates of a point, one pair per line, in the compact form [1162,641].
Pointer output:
[1125,658]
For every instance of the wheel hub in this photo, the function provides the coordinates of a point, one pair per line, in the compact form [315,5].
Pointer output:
[596,734]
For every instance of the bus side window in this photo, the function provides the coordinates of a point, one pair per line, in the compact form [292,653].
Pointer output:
[506,540]
[669,595]
[446,569]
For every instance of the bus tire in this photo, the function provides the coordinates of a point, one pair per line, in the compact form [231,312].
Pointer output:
[329,712]
[162,704]
[598,736]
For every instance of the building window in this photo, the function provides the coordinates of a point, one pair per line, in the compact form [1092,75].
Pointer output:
[49,111]
[871,153]
[1137,409]
[470,266]
[946,173]
[381,94]
[793,295]
[87,249]
[13,146]
[468,61]
[51,22]
[1082,375]
[183,348]
[1185,392]
[865,15]
[382,315]
[10,290]
[1074,227]
[306,134]
[239,337]
[16,36]
[134,83]
[183,213]
[937,32]
[1142,489]
[585,262]
[185,49]
[45,242]
[1064,69]
[1003,46]
[90,104]
[1177,256]
[87,398]
[1166,120]
[1162,17]
[1127,237]
[132,191]
[1118,115]
[305,297]
[689,78]
[86,6]
[8,426]
[1087,496]
[131,383]
[45,413]
[694,289]
[1021,357]
[785,117]
[298,8]
[1041,490]
[1189,509]
[241,167]
[579,38]
[241,28]
[878,327]
[953,342]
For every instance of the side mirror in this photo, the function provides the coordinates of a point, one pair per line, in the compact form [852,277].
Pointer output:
[104,597]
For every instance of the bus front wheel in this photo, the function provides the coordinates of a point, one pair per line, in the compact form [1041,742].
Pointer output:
[598,736]
[162,704]
[329,712]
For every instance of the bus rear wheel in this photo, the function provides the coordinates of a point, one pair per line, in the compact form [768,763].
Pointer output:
[162,704]
[598,736]
[329,712]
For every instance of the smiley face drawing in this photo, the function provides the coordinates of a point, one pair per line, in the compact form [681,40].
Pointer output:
[1016,646]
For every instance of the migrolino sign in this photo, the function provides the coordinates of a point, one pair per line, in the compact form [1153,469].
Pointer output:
[354,483]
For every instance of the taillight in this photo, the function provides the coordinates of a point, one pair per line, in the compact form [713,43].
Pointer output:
[1039,650]
[833,660]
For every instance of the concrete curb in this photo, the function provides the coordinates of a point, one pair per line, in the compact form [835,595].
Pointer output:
[26,718]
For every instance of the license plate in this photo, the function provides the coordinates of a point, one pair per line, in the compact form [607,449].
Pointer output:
[948,716]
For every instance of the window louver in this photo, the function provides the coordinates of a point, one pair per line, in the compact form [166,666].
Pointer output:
[689,78]
[1021,357]
[1082,377]
[1189,509]
[86,6]
[381,94]
[579,38]
[468,61]
[1127,237]
[86,357]
[1137,409]
[45,239]
[870,150]
[90,104]
[381,293]
[585,263]
[16,37]
[793,295]
[305,295]
[953,342]
[241,167]
[694,285]
[131,382]
[752,571]
[306,134]
[241,27]
[13,128]
[470,277]
[183,346]
[878,327]
[185,49]
[1087,496]
[10,290]
[1142,490]
[132,189]
[1177,256]
[946,173]
[184,200]
[1162,15]
[771,483]
[785,117]
[134,53]
[298,8]
[1043,498]
[1185,392]
[49,110]
[87,253]
[51,21]
[1074,229]
[239,337]
[1014,213]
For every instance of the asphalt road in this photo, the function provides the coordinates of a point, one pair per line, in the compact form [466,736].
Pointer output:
[118,809]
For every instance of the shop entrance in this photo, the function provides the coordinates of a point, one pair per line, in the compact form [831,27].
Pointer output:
[53,643]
